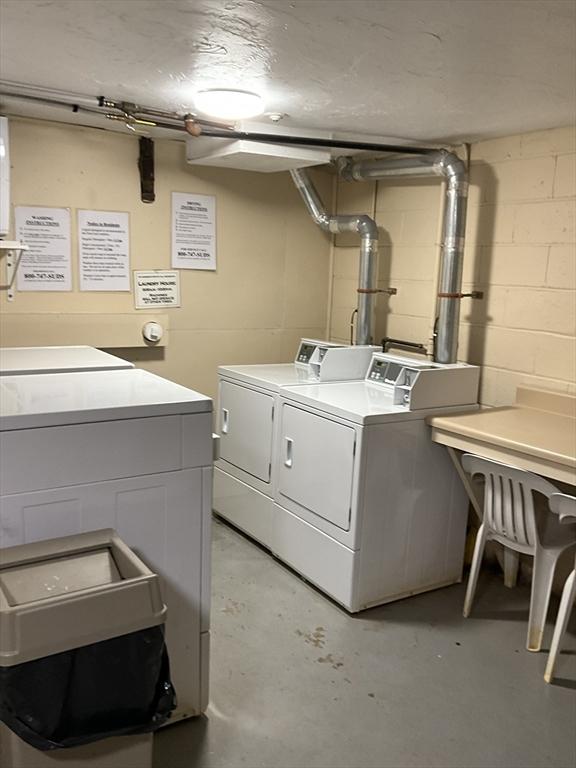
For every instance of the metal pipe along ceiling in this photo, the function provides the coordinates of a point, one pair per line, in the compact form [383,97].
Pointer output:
[448,165]
[368,231]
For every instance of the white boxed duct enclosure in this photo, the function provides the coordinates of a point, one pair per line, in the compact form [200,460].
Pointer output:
[83,665]
[254,155]
[4,178]
[11,249]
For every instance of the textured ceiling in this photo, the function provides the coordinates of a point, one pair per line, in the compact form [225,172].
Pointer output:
[419,69]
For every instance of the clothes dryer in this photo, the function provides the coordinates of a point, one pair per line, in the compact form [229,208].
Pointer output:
[16,361]
[245,474]
[367,507]
[121,449]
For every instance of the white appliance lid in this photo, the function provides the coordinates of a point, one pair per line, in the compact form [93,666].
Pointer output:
[359,402]
[53,399]
[270,377]
[30,360]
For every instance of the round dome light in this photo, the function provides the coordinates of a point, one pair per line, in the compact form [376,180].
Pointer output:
[229,104]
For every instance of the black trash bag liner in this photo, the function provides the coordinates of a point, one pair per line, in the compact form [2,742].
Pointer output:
[112,688]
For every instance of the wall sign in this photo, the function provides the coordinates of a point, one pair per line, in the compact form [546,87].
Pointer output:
[47,265]
[104,250]
[156,288]
[193,231]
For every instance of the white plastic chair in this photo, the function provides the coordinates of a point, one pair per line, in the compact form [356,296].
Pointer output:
[565,507]
[509,519]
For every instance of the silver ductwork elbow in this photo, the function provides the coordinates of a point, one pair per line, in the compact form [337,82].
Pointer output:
[367,228]
[453,169]
[311,199]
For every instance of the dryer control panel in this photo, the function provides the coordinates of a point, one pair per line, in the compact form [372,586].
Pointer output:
[416,384]
[340,363]
[308,347]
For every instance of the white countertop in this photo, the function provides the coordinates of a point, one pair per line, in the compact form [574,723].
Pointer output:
[537,433]
[16,361]
[53,399]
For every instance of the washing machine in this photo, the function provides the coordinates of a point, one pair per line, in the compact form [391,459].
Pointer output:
[366,506]
[16,361]
[121,449]
[244,474]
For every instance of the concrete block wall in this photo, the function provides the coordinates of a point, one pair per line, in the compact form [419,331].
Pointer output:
[520,250]
[407,214]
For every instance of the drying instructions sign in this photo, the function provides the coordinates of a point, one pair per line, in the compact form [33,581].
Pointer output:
[47,264]
[104,251]
[193,231]
[156,289]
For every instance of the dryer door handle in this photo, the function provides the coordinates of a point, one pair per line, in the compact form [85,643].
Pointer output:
[289,446]
[225,420]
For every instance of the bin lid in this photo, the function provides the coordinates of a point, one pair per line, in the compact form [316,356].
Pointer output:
[30,582]
[64,593]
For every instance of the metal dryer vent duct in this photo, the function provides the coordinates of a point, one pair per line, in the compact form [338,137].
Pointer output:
[448,165]
[368,231]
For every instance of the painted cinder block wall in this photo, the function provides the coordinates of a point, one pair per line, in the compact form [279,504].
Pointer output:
[520,250]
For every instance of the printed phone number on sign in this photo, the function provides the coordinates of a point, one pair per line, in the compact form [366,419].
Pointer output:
[194,254]
[44,276]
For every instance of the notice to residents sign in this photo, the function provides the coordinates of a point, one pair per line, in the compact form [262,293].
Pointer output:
[156,288]
[104,250]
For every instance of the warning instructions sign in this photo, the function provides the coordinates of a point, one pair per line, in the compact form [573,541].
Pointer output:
[156,288]
[47,265]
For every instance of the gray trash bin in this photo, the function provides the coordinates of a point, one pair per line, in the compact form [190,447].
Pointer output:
[84,678]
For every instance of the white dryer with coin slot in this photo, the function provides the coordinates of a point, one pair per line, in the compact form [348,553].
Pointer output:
[367,507]
[244,474]
[121,449]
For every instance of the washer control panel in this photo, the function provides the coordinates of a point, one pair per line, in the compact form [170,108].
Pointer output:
[340,363]
[415,384]
[384,371]
[308,347]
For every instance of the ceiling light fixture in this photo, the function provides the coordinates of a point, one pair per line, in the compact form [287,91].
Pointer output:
[229,104]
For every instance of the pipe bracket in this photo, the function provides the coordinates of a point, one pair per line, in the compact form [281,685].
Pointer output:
[191,126]
[456,295]
[389,291]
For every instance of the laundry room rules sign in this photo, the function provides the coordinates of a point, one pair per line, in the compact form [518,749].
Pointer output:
[47,264]
[193,231]
[156,288]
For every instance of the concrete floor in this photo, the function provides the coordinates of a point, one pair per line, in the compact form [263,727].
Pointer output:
[299,683]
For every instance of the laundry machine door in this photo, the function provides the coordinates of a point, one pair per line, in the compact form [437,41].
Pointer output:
[317,458]
[246,424]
